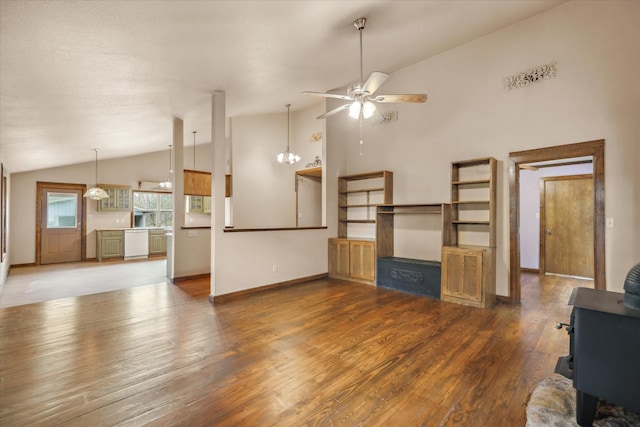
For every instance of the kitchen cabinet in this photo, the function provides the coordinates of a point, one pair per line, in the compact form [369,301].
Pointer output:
[199,204]
[109,244]
[157,242]
[119,198]
[197,183]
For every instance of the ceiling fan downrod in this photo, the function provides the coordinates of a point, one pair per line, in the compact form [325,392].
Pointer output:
[359,24]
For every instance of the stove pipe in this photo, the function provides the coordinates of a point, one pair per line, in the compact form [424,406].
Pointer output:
[632,288]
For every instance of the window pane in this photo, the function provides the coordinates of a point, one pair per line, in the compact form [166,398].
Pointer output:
[166,219]
[61,210]
[152,209]
[166,201]
[145,201]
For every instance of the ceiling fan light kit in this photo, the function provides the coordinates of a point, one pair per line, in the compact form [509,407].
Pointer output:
[361,95]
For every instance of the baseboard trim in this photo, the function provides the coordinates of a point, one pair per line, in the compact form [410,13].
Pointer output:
[194,277]
[28,264]
[219,299]
[530,270]
[501,299]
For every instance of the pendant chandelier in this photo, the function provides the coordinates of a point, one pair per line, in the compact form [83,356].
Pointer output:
[96,193]
[287,156]
[168,184]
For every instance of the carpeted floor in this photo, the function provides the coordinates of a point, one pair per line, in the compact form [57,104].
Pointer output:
[26,285]
[553,403]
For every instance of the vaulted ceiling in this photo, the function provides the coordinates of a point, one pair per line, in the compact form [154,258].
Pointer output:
[78,75]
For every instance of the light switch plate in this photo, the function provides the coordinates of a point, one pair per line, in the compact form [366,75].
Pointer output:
[610,223]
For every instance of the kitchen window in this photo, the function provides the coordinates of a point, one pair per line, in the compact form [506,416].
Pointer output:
[152,209]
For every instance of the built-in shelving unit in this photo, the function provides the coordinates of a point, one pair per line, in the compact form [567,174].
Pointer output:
[358,196]
[468,261]
[350,257]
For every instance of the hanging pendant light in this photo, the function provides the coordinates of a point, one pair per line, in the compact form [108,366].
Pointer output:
[168,183]
[96,193]
[287,156]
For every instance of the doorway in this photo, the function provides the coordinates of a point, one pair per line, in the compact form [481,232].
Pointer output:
[60,223]
[595,149]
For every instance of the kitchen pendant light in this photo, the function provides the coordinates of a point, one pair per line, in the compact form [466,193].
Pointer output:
[96,193]
[168,184]
[287,156]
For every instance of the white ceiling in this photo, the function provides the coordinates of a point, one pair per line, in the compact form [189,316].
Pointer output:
[78,75]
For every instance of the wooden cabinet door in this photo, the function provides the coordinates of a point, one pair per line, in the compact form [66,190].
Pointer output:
[362,257]
[157,243]
[462,276]
[110,244]
[339,257]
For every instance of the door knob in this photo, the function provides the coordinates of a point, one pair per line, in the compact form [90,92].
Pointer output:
[547,232]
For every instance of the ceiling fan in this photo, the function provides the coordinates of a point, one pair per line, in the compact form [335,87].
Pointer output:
[362,95]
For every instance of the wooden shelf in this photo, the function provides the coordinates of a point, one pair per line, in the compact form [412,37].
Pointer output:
[310,172]
[458,221]
[363,190]
[471,182]
[369,205]
[470,202]
[361,221]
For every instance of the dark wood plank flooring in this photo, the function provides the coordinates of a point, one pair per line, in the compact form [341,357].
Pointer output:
[326,352]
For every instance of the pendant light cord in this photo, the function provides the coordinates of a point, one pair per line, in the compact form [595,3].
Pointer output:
[96,150]
[288,105]
[194,150]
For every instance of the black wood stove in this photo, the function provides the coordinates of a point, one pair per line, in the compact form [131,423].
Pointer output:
[604,348]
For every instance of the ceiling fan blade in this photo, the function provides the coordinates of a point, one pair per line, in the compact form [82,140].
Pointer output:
[415,97]
[375,80]
[334,111]
[328,95]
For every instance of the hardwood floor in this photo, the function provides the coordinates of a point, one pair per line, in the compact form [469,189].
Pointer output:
[327,352]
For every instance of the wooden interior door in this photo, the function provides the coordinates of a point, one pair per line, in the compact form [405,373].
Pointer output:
[567,225]
[60,224]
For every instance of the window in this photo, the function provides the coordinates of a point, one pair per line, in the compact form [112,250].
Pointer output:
[152,209]
[61,210]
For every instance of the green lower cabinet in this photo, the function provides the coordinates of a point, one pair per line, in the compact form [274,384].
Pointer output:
[109,244]
[157,242]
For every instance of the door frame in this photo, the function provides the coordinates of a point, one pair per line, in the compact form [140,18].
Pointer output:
[41,185]
[543,216]
[590,148]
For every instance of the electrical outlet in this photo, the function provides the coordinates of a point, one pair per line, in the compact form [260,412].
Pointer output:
[193,233]
[275,268]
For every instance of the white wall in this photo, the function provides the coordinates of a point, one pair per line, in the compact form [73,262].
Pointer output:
[263,189]
[530,208]
[469,114]
[245,260]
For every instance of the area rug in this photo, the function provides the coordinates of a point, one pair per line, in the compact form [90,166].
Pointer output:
[553,403]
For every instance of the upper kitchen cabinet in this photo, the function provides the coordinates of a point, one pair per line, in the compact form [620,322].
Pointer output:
[197,183]
[119,198]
